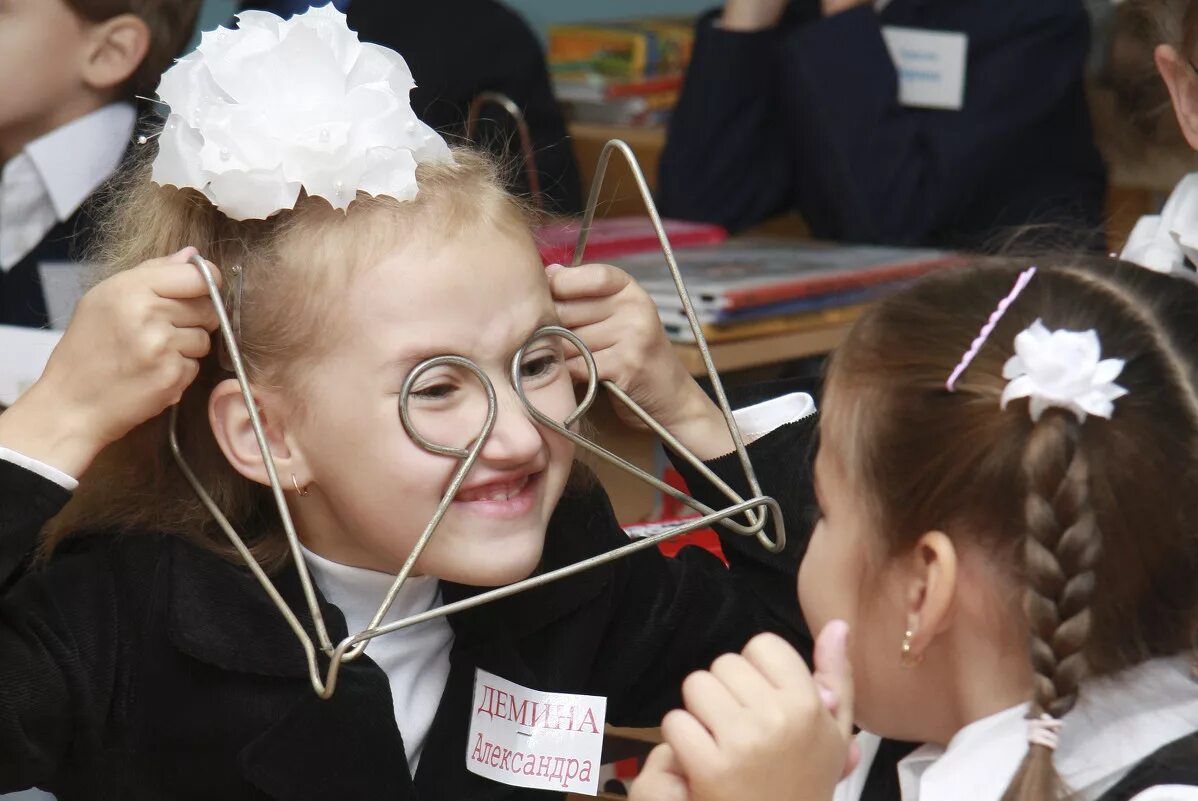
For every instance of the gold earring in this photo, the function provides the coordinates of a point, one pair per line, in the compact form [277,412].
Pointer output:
[909,659]
[303,493]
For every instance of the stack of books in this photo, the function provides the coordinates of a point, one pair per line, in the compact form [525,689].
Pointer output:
[751,288]
[612,237]
[620,73]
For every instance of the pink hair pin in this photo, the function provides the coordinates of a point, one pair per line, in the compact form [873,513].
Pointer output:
[988,328]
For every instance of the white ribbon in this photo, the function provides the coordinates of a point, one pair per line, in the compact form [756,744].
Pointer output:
[260,112]
[1062,369]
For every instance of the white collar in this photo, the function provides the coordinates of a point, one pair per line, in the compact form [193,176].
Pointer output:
[54,174]
[1118,721]
[74,159]
[357,592]
[1163,241]
[415,659]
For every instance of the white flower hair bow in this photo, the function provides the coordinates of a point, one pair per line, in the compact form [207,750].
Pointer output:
[1062,369]
[260,112]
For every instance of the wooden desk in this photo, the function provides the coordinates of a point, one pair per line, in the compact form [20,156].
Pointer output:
[743,354]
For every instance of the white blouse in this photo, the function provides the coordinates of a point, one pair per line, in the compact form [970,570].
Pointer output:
[51,177]
[415,659]
[1162,242]
[1118,721]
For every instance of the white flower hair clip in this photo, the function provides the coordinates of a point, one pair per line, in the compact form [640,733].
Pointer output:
[259,112]
[1064,370]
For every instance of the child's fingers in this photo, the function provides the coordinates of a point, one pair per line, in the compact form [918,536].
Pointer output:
[662,758]
[587,281]
[854,758]
[577,366]
[834,671]
[179,280]
[193,313]
[742,679]
[709,701]
[577,313]
[194,343]
[660,779]
[778,662]
[694,748]
[599,336]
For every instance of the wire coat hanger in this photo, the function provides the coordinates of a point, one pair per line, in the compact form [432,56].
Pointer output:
[758,510]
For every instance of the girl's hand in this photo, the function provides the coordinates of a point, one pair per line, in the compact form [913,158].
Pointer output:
[661,779]
[759,727]
[131,349]
[618,321]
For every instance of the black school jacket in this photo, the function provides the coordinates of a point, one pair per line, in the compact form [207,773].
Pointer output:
[806,116]
[141,667]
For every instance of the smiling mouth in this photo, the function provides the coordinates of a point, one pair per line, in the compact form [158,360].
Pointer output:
[503,500]
[495,492]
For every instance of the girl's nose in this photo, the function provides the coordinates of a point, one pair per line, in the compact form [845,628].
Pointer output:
[516,439]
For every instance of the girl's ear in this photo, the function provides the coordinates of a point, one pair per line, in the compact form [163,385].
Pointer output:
[933,587]
[1182,82]
[117,47]
[230,421]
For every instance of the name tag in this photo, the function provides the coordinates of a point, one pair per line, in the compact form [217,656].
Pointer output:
[930,65]
[527,738]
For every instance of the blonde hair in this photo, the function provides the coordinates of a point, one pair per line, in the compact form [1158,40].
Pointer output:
[291,265]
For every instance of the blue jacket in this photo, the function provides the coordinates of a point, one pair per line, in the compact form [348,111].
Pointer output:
[806,116]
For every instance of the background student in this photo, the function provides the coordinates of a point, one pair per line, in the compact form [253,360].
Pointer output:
[799,105]
[71,70]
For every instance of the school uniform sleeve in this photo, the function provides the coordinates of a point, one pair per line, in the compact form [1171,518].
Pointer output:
[55,675]
[826,132]
[728,156]
[782,461]
[873,170]
[30,494]
[670,617]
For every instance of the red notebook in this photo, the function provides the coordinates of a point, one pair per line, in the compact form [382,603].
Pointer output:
[612,237]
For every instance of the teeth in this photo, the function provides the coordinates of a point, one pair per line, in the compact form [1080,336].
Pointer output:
[498,492]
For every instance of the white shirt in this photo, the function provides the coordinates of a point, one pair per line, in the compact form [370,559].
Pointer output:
[1117,722]
[1162,242]
[46,182]
[415,659]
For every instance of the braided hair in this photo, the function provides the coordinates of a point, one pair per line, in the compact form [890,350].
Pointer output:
[1073,511]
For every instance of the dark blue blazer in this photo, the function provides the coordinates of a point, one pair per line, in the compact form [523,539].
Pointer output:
[22,300]
[805,116]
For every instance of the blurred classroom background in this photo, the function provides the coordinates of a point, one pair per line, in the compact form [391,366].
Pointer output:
[539,13]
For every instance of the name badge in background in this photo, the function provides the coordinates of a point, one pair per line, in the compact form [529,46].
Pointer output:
[527,738]
[62,286]
[930,65]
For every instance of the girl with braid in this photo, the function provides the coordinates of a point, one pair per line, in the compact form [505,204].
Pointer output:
[1010,531]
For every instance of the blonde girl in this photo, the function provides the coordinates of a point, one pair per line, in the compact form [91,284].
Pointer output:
[138,657]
